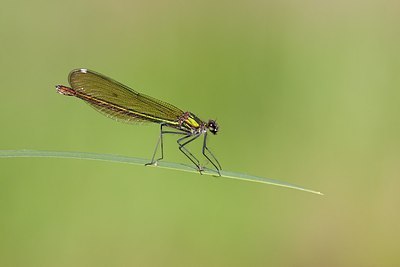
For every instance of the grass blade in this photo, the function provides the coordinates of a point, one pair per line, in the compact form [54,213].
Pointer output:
[141,161]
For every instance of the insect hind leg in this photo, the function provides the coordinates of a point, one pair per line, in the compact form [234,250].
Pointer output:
[161,144]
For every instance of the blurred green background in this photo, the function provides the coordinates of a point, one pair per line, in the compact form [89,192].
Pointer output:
[304,91]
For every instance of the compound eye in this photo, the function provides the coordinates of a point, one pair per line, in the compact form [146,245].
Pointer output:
[212,126]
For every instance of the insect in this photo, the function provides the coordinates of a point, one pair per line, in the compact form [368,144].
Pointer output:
[122,103]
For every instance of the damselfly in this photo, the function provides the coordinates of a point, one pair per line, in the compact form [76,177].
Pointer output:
[122,103]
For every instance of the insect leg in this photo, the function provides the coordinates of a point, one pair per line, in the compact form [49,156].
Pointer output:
[214,162]
[160,140]
[186,152]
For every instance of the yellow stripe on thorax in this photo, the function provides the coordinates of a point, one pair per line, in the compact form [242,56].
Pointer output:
[192,122]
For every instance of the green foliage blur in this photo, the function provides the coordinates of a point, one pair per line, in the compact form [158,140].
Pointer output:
[304,91]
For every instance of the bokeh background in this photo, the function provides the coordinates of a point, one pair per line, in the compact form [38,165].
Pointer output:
[305,91]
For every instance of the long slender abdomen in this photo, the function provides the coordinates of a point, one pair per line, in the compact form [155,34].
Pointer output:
[64,90]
